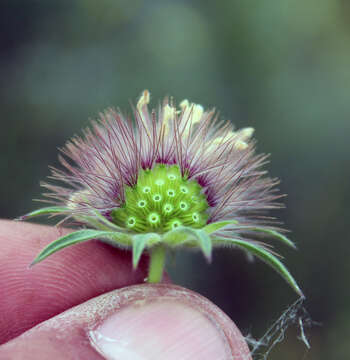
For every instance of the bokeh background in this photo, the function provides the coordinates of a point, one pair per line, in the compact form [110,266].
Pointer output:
[282,67]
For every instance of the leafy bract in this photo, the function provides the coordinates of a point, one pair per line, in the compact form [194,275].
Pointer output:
[50,210]
[139,243]
[205,243]
[274,234]
[215,226]
[189,237]
[105,221]
[71,239]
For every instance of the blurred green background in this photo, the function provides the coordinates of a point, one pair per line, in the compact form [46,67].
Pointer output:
[282,67]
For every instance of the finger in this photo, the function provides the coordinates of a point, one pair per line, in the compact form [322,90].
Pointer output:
[65,279]
[139,322]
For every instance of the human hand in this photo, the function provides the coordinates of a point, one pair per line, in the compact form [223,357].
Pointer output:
[55,310]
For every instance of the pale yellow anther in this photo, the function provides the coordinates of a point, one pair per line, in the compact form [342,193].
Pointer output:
[144,99]
[76,197]
[222,139]
[197,113]
[193,110]
[184,104]
[241,145]
[192,114]
[239,137]
[168,115]
[142,109]
[245,133]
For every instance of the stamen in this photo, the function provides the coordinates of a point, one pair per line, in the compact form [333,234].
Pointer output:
[168,115]
[240,145]
[142,109]
[245,133]
[192,114]
[144,100]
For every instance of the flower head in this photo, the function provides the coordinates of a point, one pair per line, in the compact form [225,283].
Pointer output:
[166,178]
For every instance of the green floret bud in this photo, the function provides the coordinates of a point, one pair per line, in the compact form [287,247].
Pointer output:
[162,200]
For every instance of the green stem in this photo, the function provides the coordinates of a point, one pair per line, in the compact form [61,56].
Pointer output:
[156,265]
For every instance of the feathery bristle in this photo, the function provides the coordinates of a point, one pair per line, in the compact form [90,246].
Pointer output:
[110,156]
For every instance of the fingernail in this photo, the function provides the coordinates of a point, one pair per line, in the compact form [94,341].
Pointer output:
[160,329]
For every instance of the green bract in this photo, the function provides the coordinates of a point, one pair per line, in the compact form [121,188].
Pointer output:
[185,237]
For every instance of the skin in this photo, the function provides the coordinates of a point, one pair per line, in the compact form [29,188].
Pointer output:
[49,310]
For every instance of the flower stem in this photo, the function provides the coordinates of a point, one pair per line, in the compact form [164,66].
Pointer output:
[156,265]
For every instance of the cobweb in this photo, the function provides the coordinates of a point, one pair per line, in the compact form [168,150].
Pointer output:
[295,315]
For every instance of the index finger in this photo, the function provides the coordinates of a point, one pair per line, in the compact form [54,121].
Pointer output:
[70,277]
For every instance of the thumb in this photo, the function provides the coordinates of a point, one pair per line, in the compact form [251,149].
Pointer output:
[139,322]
